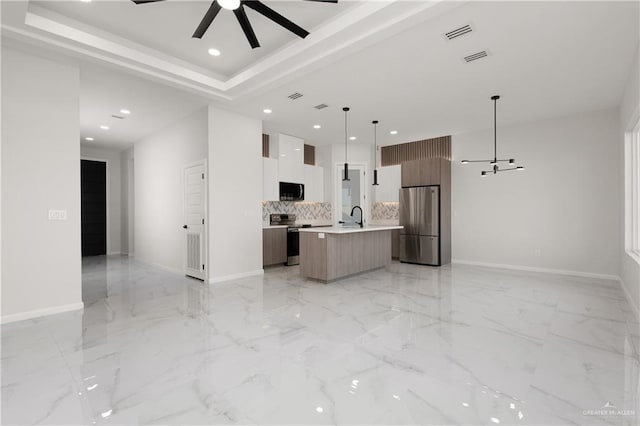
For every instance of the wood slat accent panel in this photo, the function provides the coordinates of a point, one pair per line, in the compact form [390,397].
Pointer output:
[429,148]
[309,155]
[265,145]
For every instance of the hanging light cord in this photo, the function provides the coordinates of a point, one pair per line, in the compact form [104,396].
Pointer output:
[375,152]
[345,134]
[495,130]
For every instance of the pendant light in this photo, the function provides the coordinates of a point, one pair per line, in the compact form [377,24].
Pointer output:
[346,164]
[375,152]
[494,163]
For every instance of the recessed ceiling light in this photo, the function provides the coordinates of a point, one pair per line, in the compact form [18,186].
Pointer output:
[297,149]
[267,111]
[214,52]
[103,127]
[352,138]
[88,139]
[316,126]
[125,111]
[85,1]
[394,132]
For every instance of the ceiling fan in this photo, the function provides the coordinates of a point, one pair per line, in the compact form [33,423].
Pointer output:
[237,7]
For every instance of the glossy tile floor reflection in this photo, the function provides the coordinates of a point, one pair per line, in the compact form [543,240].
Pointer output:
[405,345]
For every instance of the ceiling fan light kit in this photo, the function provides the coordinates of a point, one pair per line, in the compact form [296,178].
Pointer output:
[237,6]
[494,162]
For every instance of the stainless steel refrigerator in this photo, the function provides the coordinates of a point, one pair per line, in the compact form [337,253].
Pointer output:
[420,217]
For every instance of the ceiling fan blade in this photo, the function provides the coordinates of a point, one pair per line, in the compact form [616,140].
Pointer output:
[325,1]
[145,1]
[276,17]
[207,20]
[246,27]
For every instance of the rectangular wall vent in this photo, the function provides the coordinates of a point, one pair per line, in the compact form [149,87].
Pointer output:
[466,29]
[294,96]
[476,56]
[321,106]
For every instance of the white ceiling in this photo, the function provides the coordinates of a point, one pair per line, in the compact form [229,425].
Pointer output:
[167,26]
[104,92]
[547,59]
[387,60]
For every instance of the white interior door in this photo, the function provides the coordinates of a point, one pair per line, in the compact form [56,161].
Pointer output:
[194,221]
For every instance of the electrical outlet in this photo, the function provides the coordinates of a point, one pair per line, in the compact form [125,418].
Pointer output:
[321,235]
[537,252]
[57,215]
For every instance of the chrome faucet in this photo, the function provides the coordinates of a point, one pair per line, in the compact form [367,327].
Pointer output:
[361,218]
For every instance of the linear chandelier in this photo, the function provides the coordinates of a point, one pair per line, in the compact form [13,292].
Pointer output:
[494,163]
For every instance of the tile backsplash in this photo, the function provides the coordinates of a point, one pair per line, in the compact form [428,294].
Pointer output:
[304,210]
[385,211]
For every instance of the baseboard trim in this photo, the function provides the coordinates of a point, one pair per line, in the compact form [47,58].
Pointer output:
[231,277]
[534,269]
[115,253]
[627,294]
[41,312]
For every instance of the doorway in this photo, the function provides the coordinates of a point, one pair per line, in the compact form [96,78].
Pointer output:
[350,193]
[93,190]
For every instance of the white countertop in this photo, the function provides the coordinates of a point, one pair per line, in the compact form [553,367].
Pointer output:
[274,226]
[351,230]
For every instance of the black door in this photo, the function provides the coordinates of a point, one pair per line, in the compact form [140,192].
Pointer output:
[93,182]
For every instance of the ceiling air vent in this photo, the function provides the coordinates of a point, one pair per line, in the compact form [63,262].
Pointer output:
[321,106]
[119,117]
[476,56]
[466,29]
[294,96]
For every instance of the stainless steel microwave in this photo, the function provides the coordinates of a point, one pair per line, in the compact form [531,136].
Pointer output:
[291,191]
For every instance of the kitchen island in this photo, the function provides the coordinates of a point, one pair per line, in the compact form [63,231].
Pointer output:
[328,254]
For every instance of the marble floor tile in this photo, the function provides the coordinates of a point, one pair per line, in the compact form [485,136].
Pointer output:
[406,344]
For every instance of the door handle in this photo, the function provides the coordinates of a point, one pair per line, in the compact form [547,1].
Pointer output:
[184,226]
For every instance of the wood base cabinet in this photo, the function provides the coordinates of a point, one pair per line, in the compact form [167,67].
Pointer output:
[395,244]
[274,246]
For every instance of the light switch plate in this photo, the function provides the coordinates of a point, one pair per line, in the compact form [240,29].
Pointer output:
[321,235]
[57,215]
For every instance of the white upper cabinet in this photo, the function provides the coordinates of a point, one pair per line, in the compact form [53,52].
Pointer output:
[313,183]
[389,183]
[290,154]
[270,185]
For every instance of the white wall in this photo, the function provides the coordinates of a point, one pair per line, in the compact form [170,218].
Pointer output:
[235,195]
[127,211]
[629,115]
[158,184]
[112,156]
[562,213]
[41,259]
